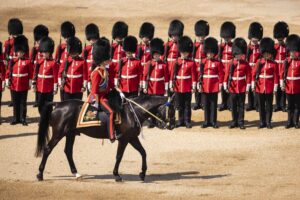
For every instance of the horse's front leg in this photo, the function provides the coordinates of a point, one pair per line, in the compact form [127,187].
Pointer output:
[120,152]
[135,142]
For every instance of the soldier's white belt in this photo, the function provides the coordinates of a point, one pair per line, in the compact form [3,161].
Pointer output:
[226,61]
[171,59]
[143,63]
[157,79]
[129,77]
[74,76]
[183,77]
[265,76]
[45,76]
[239,78]
[293,78]
[19,75]
[210,76]
[114,60]
[12,57]
[89,61]
[252,64]
[279,61]
[198,60]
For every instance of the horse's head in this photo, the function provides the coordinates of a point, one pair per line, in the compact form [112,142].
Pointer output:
[166,112]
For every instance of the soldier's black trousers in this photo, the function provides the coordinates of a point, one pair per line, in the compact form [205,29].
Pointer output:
[280,99]
[68,96]
[19,105]
[252,100]
[184,106]
[42,98]
[198,101]
[62,95]
[237,105]
[293,108]
[225,99]
[265,102]
[210,103]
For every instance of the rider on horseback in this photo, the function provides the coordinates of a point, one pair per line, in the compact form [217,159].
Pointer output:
[100,85]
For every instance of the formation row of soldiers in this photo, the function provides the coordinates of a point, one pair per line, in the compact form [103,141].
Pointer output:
[181,66]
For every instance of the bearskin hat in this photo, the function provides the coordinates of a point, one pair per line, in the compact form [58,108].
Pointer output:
[147,30]
[201,28]
[101,50]
[227,30]
[67,29]
[15,27]
[185,44]
[293,43]
[176,28]
[92,32]
[74,45]
[255,31]
[281,30]
[120,29]
[46,45]
[267,46]
[21,44]
[40,31]
[211,46]
[239,46]
[157,46]
[130,44]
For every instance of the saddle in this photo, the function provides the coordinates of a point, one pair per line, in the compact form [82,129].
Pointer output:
[90,116]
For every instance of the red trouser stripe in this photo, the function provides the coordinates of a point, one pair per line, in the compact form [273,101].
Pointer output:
[111,117]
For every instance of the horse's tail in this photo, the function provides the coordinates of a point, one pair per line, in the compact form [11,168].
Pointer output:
[43,130]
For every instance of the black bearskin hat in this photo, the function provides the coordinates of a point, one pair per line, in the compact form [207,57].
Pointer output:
[21,44]
[120,29]
[130,44]
[147,30]
[176,28]
[255,31]
[157,46]
[92,32]
[281,30]
[74,45]
[40,31]
[239,46]
[211,46]
[293,43]
[15,26]
[267,46]
[201,28]
[46,45]
[101,51]
[67,29]
[185,44]
[227,30]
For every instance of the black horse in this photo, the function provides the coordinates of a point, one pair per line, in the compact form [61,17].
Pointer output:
[64,117]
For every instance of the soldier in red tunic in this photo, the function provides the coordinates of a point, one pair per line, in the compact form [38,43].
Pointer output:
[119,32]
[39,32]
[290,81]
[183,81]
[92,34]
[75,73]
[2,77]
[210,82]
[280,32]
[19,79]
[67,30]
[146,35]
[201,31]
[265,79]
[237,82]
[15,28]
[45,73]
[100,86]
[129,73]
[155,79]
[255,34]
[227,32]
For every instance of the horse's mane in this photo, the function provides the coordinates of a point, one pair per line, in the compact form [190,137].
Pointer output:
[145,98]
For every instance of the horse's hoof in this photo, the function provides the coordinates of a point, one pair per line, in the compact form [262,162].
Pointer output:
[39,177]
[118,179]
[142,176]
[78,176]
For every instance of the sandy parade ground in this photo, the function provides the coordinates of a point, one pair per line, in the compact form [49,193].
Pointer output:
[182,164]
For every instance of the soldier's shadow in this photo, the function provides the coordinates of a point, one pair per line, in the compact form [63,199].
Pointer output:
[28,119]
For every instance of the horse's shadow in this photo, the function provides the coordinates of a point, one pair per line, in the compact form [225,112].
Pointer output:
[153,177]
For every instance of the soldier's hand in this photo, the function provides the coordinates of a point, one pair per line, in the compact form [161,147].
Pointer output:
[145,91]
[193,91]
[55,92]
[171,89]
[83,89]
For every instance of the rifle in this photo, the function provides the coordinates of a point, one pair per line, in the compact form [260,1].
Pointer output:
[64,74]
[148,75]
[194,50]
[112,50]
[220,50]
[258,71]
[11,67]
[59,52]
[140,52]
[286,68]
[201,74]
[37,69]
[34,53]
[248,52]
[119,72]
[231,69]
[7,51]
[85,52]
[175,72]
[167,49]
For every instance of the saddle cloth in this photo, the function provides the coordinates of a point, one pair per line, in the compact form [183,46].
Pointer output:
[90,116]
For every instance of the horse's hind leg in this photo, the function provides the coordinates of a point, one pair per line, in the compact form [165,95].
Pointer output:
[121,148]
[69,153]
[47,151]
[135,142]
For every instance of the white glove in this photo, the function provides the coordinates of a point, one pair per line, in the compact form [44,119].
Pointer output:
[220,87]
[275,88]
[30,84]
[122,95]
[225,86]
[248,87]
[252,85]
[3,85]
[59,81]
[95,105]
[89,86]
[6,82]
